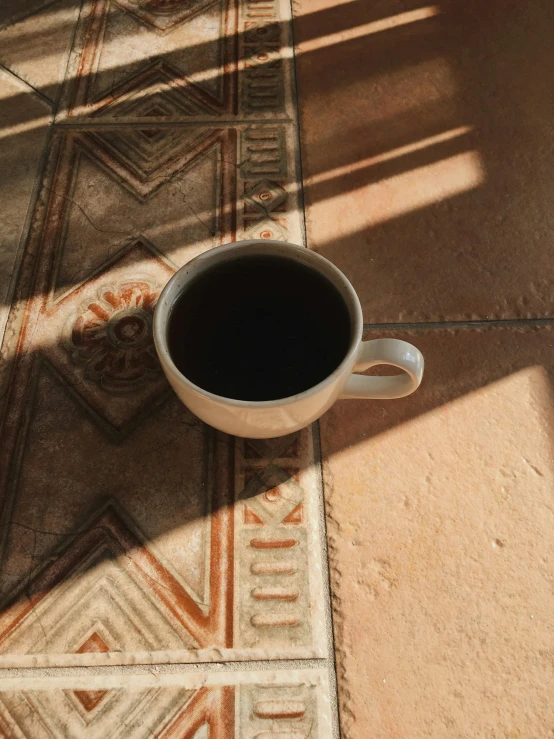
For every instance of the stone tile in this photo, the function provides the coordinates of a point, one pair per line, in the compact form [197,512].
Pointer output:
[36,48]
[23,122]
[223,705]
[440,527]
[144,62]
[131,533]
[157,551]
[426,160]
[126,521]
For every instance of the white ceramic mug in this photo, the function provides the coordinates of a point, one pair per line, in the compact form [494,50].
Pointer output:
[265,419]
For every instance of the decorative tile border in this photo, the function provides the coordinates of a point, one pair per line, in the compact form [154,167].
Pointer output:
[227,59]
[103,561]
[130,533]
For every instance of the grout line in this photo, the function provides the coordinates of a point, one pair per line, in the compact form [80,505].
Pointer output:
[326,576]
[42,97]
[316,440]
[83,124]
[63,72]
[162,668]
[296,137]
[25,232]
[435,325]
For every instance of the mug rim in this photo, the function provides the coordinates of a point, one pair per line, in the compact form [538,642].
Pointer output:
[208,259]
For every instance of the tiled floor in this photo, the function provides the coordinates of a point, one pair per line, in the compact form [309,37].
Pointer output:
[160,579]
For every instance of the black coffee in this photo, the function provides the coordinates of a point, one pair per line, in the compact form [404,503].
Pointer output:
[259,328]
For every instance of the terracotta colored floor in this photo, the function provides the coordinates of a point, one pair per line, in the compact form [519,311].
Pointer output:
[427,158]
[160,579]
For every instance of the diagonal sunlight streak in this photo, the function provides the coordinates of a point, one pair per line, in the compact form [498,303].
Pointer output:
[391,155]
[26,126]
[367,29]
[412,190]
[207,74]
[409,132]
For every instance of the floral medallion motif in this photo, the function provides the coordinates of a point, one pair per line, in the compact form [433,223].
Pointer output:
[112,338]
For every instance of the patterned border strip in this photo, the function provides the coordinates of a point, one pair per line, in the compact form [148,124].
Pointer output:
[256,71]
[234,705]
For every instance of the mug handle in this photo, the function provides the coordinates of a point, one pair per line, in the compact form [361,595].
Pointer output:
[385,351]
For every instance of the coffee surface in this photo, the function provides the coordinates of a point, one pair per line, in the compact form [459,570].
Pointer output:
[259,328]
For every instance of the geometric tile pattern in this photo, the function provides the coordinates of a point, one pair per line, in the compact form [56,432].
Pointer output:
[196,61]
[274,522]
[130,532]
[119,713]
[226,706]
[89,699]
[147,555]
[190,65]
